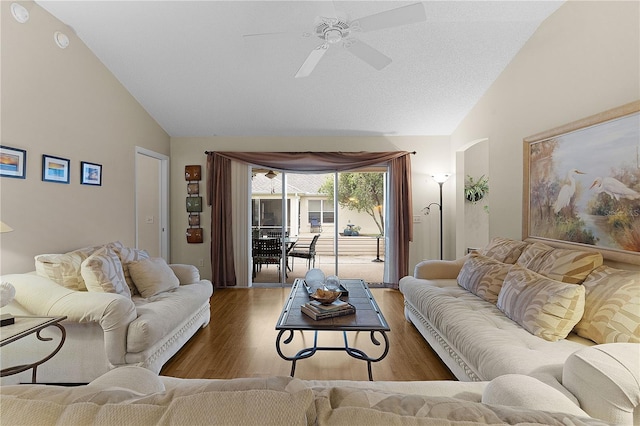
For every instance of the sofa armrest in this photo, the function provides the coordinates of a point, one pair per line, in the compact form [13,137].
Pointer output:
[187,274]
[439,269]
[605,380]
[113,312]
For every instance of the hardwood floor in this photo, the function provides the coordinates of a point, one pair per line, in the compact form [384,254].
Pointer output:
[240,342]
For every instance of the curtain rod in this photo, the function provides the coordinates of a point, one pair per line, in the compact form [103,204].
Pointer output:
[211,152]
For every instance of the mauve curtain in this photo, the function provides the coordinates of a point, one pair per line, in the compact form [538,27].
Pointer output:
[219,198]
[219,179]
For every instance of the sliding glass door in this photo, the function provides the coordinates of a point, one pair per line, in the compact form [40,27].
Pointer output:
[333,222]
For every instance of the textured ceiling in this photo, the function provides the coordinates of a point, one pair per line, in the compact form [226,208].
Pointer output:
[187,63]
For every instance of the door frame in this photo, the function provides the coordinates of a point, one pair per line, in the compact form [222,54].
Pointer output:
[164,200]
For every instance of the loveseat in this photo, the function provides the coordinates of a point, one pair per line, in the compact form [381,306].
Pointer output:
[122,308]
[136,396]
[517,307]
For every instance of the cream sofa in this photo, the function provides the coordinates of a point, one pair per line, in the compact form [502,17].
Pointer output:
[136,396]
[122,308]
[526,308]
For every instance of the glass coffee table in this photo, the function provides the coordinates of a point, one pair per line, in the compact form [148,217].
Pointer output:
[367,318]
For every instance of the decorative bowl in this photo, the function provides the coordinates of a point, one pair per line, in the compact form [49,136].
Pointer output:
[326,297]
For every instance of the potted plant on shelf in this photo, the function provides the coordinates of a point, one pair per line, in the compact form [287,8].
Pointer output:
[475,190]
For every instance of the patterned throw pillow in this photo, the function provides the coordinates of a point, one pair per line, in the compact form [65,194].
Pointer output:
[65,269]
[545,308]
[504,249]
[483,276]
[567,266]
[612,306]
[102,272]
[128,255]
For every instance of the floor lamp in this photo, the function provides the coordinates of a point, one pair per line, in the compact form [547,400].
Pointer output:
[441,179]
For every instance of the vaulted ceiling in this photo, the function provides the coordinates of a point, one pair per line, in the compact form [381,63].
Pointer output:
[190,67]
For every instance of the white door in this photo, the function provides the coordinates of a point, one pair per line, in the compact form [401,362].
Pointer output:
[152,203]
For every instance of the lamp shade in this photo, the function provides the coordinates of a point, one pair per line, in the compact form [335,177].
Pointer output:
[4,227]
[270,174]
[441,177]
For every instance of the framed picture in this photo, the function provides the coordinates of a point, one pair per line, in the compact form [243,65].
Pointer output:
[194,219]
[582,184]
[192,172]
[55,169]
[194,204]
[194,235]
[193,188]
[13,162]
[90,173]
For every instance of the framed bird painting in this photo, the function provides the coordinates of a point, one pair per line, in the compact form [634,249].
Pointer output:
[582,184]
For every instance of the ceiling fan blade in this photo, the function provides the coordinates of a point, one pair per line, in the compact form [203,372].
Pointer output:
[409,14]
[312,60]
[372,56]
[274,36]
[327,8]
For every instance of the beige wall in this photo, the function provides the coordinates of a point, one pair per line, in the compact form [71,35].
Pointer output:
[67,104]
[583,59]
[432,156]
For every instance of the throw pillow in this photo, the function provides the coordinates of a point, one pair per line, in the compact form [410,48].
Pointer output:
[102,272]
[65,269]
[545,308]
[517,390]
[504,250]
[152,276]
[612,306]
[483,276]
[565,265]
[127,255]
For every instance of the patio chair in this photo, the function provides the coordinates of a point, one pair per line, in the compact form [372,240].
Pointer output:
[305,252]
[316,226]
[267,251]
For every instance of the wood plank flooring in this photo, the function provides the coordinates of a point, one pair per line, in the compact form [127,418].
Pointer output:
[240,342]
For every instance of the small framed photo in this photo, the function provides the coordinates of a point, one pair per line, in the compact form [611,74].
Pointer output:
[13,162]
[194,219]
[193,188]
[90,173]
[55,169]
[194,204]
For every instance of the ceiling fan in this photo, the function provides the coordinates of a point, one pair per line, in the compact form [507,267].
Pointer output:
[335,30]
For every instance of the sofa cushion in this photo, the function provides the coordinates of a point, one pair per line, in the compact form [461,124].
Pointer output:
[350,406]
[483,276]
[504,250]
[152,276]
[478,335]
[612,306]
[164,314]
[568,266]
[65,269]
[276,401]
[544,307]
[128,255]
[102,272]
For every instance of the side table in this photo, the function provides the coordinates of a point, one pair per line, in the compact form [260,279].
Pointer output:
[23,327]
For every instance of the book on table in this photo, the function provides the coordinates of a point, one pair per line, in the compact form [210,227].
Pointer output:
[336,304]
[318,314]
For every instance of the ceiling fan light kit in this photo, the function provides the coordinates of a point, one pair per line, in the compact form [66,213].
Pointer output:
[335,30]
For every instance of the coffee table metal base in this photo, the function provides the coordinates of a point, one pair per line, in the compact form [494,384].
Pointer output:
[353,352]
